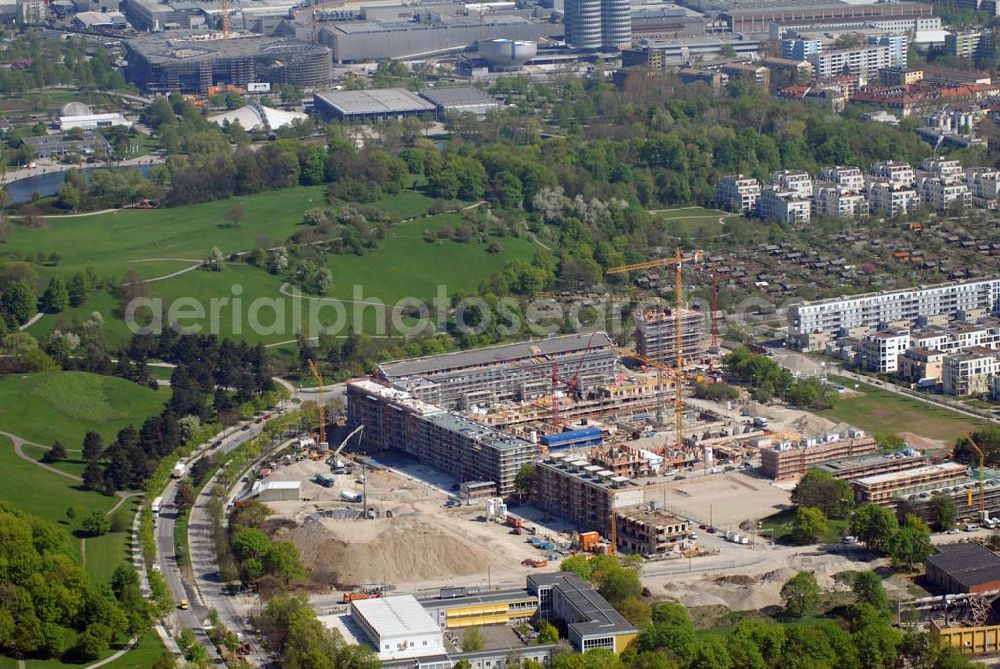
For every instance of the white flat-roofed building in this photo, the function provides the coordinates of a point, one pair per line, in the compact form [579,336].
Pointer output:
[832,201]
[848,178]
[92,121]
[970,372]
[880,351]
[896,173]
[796,181]
[948,170]
[785,206]
[738,193]
[984,187]
[398,627]
[863,61]
[891,200]
[811,324]
[940,193]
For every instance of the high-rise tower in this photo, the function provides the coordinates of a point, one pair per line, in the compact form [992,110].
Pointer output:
[598,24]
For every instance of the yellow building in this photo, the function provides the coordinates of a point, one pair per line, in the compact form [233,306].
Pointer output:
[969,640]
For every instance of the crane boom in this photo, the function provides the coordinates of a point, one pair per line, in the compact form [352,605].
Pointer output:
[982,459]
[347,439]
[322,408]
[225,19]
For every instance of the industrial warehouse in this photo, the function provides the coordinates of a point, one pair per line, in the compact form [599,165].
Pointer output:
[193,62]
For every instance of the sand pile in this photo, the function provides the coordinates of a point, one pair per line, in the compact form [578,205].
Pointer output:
[403,549]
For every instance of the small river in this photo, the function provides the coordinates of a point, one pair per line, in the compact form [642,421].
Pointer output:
[49,183]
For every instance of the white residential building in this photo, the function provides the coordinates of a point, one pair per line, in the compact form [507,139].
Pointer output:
[889,200]
[796,181]
[831,201]
[738,193]
[784,206]
[947,170]
[849,179]
[969,372]
[984,187]
[32,12]
[880,351]
[398,627]
[864,61]
[940,194]
[812,324]
[896,173]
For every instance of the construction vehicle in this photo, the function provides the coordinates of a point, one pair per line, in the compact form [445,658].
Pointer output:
[535,562]
[319,403]
[588,541]
[514,521]
[333,458]
[355,597]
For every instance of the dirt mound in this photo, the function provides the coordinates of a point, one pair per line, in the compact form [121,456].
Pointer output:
[387,551]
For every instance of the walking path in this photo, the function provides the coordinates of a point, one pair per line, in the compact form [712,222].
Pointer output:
[185,270]
[31,321]
[19,444]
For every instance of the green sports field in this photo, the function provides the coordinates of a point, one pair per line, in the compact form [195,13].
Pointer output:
[65,405]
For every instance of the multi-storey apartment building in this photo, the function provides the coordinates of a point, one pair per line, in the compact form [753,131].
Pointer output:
[795,181]
[984,186]
[889,199]
[948,170]
[650,532]
[511,372]
[922,366]
[898,44]
[849,179]
[863,61]
[869,465]
[789,459]
[832,201]
[880,351]
[801,47]
[656,334]
[812,324]
[941,193]
[882,489]
[896,173]
[738,193]
[965,44]
[785,206]
[583,493]
[970,372]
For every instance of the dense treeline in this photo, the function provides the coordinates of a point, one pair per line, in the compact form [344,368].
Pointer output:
[767,380]
[36,62]
[49,608]
[209,383]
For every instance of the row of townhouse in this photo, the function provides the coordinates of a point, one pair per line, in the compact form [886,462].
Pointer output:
[889,188]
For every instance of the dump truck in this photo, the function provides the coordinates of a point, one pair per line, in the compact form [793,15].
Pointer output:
[535,562]
[354,597]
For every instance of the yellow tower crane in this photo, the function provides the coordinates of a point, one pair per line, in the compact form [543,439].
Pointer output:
[319,401]
[982,460]
[678,262]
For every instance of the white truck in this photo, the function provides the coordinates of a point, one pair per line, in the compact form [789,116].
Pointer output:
[350,496]
[180,469]
[157,505]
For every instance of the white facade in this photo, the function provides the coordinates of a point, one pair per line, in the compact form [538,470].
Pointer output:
[831,201]
[984,187]
[888,200]
[940,194]
[880,351]
[784,206]
[948,170]
[896,173]
[809,321]
[32,12]
[969,373]
[92,121]
[848,178]
[796,181]
[398,627]
[863,61]
[738,193]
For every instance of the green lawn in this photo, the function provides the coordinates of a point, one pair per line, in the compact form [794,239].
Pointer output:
[692,220]
[104,554]
[42,493]
[72,465]
[407,266]
[780,524]
[878,410]
[143,656]
[64,405]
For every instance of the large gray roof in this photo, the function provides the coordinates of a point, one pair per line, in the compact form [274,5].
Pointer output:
[458,96]
[376,101]
[597,616]
[493,355]
[969,564]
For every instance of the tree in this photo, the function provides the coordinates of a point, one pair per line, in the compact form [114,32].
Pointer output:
[942,512]
[524,483]
[94,641]
[18,303]
[547,633]
[472,640]
[619,585]
[95,524]
[215,262]
[55,454]
[801,595]
[77,290]
[909,546]
[184,499]
[56,296]
[868,589]
[93,446]
[874,525]
[234,215]
[809,525]
[819,489]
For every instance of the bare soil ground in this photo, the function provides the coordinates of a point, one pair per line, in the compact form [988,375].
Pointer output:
[730,499]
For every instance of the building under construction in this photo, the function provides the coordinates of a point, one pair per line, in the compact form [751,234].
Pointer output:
[882,489]
[571,364]
[650,532]
[965,493]
[792,459]
[656,334]
[191,62]
[583,493]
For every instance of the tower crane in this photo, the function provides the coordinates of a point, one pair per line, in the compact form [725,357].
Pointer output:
[678,262]
[314,18]
[225,19]
[982,459]
[322,408]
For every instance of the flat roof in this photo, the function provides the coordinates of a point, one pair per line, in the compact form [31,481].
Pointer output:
[459,96]
[375,101]
[396,616]
[861,461]
[492,355]
[482,598]
[908,473]
[969,564]
[597,615]
[487,436]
